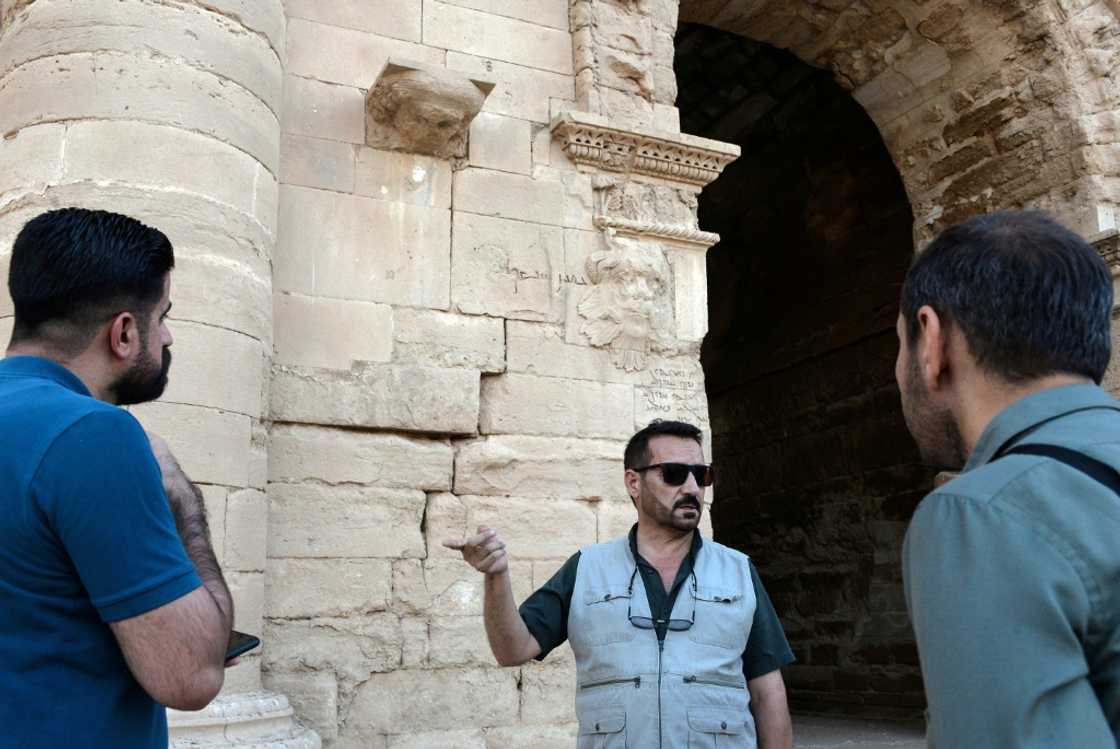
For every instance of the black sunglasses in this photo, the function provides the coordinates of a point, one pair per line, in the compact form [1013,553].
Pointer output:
[648,622]
[675,474]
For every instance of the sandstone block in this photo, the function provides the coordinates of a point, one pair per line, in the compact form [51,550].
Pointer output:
[501,143]
[538,737]
[506,268]
[111,86]
[512,196]
[415,650]
[248,592]
[258,457]
[405,261]
[246,547]
[411,701]
[346,56]
[212,446]
[521,92]
[690,294]
[406,178]
[616,519]
[437,339]
[519,522]
[221,292]
[526,404]
[324,110]
[216,368]
[456,588]
[188,161]
[439,740]
[217,44]
[545,350]
[299,588]
[540,467]
[458,641]
[671,403]
[314,696]
[214,499]
[548,692]
[32,159]
[305,453]
[410,591]
[245,677]
[312,520]
[331,333]
[487,35]
[416,399]
[399,19]
[314,162]
[552,13]
[349,649]
[6,324]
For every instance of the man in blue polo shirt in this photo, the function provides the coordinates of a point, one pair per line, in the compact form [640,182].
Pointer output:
[112,602]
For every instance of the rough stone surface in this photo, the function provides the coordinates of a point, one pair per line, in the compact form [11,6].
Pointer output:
[526,404]
[522,466]
[300,588]
[331,333]
[438,339]
[414,399]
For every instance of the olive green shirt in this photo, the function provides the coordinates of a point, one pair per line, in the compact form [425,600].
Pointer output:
[1012,575]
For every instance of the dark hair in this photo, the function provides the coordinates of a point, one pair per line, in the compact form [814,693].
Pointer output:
[1030,296]
[73,266]
[637,449]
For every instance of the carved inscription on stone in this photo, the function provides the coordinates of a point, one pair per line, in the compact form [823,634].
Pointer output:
[627,308]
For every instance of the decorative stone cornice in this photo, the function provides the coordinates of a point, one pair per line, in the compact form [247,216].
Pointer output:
[591,142]
[1108,245]
[672,233]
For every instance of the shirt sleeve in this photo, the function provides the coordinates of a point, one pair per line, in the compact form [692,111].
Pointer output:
[767,647]
[101,491]
[999,613]
[545,612]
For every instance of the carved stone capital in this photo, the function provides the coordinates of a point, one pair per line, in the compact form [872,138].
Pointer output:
[591,142]
[422,109]
[649,211]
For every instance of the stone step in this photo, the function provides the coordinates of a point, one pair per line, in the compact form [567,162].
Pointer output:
[248,720]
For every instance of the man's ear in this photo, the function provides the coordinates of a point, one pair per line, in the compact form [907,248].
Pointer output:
[124,336]
[633,481]
[931,352]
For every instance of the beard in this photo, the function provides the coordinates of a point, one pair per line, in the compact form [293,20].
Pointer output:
[684,515]
[932,426]
[145,381]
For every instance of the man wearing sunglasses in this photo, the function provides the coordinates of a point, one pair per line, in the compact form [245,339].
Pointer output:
[676,642]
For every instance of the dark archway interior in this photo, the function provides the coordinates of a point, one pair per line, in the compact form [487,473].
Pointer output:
[817,474]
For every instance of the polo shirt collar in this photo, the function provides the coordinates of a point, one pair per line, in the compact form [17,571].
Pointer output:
[35,366]
[697,542]
[1032,411]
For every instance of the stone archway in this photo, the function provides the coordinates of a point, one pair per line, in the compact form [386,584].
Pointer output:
[983,105]
[818,476]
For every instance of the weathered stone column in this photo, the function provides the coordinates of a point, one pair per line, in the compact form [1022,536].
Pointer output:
[169,112]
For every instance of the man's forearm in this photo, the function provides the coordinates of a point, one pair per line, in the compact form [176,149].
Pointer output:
[771,712]
[189,511]
[510,640]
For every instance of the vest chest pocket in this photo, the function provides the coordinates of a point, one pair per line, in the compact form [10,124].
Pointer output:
[602,729]
[721,618]
[604,617]
[716,728]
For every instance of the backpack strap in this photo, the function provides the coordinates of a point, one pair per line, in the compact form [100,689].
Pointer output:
[1091,467]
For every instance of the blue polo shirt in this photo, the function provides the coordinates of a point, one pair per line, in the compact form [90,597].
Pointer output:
[86,538]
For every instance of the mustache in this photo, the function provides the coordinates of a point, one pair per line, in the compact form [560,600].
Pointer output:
[688,500]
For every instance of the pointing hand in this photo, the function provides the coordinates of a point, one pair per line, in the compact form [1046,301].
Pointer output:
[483,551]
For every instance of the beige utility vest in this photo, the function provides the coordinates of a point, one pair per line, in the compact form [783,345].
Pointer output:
[689,691]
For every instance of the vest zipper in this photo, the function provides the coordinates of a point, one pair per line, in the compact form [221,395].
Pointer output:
[660,650]
[636,681]
[713,682]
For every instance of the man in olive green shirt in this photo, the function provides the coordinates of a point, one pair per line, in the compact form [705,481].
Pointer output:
[1012,570]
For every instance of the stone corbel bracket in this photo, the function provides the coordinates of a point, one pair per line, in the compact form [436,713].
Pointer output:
[423,109]
[589,141]
[671,234]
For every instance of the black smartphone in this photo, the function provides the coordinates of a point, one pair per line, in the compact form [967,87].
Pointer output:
[240,643]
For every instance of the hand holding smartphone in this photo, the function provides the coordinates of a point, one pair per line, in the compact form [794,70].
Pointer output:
[240,643]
